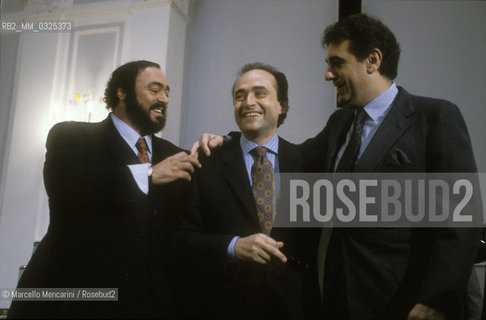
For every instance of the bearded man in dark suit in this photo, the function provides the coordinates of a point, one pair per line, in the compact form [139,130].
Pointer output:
[384,273]
[243,267]
[113,187]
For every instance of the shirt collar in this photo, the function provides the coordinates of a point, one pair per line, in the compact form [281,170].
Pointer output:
[379,105]
[129,134]
[271,145]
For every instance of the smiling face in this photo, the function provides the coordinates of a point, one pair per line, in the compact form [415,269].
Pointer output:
[349,76]
[256,105]
[147,109]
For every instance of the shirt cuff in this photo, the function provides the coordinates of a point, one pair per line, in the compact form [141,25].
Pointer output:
[231,247]
[139,173]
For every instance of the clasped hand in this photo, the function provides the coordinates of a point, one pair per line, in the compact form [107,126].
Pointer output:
[422,312]
[259,248]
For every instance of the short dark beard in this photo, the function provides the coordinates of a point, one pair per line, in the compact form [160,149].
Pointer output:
[341,105]
[141,118]
[345,105]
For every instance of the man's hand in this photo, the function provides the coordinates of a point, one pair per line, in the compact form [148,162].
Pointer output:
[258,248]
[422,312]
[206,142]
[179,166]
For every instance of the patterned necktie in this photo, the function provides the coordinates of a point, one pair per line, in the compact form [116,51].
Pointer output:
[142,150]
[350,155]
[263,186]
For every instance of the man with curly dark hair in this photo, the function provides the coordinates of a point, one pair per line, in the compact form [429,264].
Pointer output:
[389,273]
[113,188]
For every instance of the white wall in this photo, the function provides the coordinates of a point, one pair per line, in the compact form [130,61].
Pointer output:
[23,200]
[8,57]
[174,69]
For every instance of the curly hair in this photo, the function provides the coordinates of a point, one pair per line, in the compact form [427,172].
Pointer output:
[365,33]
[124,78]
[280,80]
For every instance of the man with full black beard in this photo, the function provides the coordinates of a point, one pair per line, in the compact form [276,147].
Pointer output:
[113,190]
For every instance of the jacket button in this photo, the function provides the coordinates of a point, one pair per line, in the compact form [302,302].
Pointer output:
[155,211]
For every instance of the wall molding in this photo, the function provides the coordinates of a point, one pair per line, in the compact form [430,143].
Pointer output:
[75,12]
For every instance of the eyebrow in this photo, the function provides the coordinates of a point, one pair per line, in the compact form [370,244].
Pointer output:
[252,88]
[158,84]
[335,59]
[239,91]
[259,88]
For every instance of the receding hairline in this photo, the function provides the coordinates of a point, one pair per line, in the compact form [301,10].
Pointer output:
[275,84]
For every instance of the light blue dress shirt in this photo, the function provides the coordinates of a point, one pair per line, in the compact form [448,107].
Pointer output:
[272,154]
[376,111]
[139,171]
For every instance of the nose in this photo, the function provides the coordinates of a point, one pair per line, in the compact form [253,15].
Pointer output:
[163,97]
[329,75]
[250,99]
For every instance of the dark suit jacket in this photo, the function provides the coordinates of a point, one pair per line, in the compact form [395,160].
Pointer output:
[103,232]
[383,273]
[222,206]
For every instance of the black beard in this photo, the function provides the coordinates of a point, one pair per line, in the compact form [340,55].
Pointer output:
[340,104]
[345,105]
[141,118]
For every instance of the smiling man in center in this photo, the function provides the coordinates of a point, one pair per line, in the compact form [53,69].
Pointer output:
[243,267]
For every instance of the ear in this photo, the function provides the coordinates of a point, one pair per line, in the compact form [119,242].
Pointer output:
[373,61]
[283,107]
[120,94]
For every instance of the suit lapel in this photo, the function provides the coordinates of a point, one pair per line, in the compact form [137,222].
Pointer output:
[337,136]
[234,170]
[392,127]
[121,152]
[289,160]
[159,153]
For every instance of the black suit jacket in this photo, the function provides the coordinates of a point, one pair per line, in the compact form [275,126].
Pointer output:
[384,272]
[222,206]
[103,231]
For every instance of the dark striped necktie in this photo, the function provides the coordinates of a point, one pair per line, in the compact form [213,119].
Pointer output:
[350,155]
